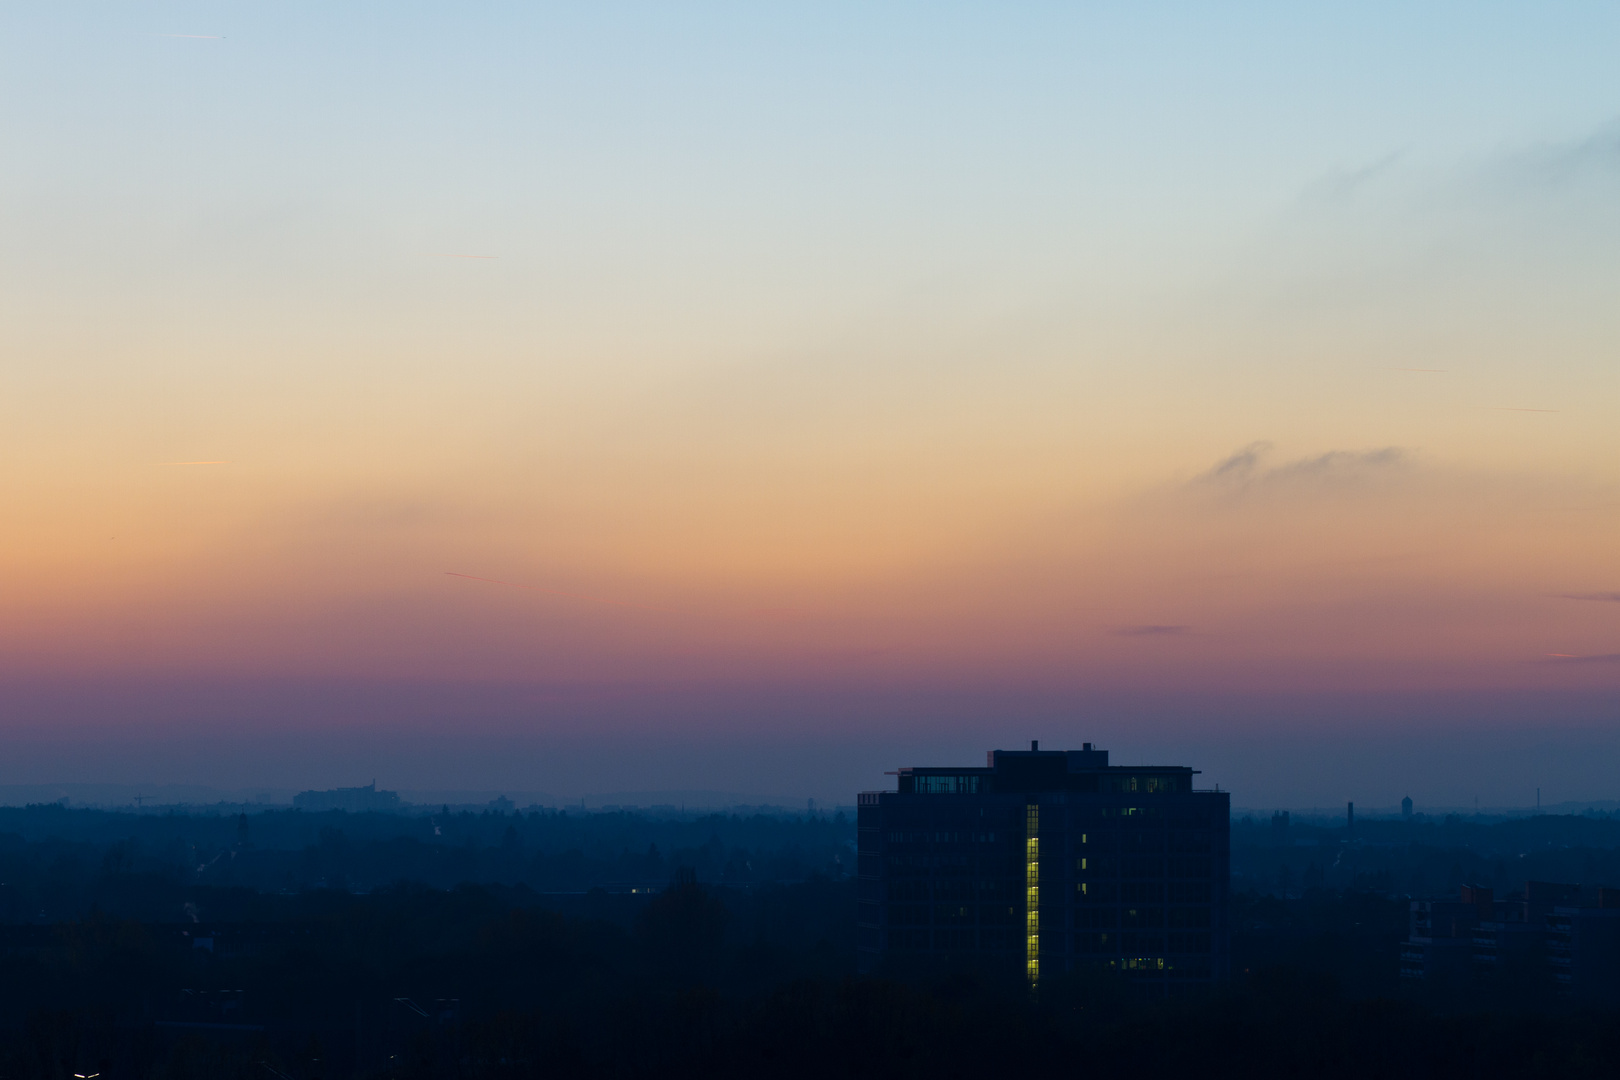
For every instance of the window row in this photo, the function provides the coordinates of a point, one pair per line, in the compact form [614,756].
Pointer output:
[955,890]
[1107,866]
[1101,918]
[1155,841]
[1141,944]
[1098,918]
[925,914]
[949,785]
[921,864]
[1179,953]
[1176,892]
[924,836]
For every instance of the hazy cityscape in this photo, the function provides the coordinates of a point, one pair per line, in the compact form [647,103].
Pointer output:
[896,541]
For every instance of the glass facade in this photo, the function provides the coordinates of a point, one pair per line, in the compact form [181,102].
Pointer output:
[1051,866]
[945,785]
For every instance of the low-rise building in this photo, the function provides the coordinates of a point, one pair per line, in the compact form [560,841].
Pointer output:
[1563,937]
[1583,948]
[1439,945]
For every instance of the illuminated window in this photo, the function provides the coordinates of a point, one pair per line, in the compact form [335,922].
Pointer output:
[1032,891]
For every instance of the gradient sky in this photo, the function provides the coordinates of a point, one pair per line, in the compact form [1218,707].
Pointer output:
[835,387]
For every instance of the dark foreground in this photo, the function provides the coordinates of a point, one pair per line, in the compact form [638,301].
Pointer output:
[114,961]
[418,983]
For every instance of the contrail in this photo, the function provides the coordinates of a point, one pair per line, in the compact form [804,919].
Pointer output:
[559,592]
[1508,408]
[195,37]
[1436,370]
[452,255]
[196,463]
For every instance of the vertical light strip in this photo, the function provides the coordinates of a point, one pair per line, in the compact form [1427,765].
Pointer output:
[1032,891]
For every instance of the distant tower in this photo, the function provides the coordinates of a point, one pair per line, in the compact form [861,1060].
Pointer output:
[1350,816]
[1406,808]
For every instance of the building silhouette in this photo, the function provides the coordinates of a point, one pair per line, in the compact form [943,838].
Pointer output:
[1564,936]
[1054,860]
[353,799]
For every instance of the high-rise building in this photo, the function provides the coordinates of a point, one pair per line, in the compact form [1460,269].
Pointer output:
[1053,860]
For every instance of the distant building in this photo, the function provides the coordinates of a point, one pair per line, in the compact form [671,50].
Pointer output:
[1583,948]
[1566,934]
[1439,945]
[1510,936]
[1053,860]
[1406,808]
[352,799]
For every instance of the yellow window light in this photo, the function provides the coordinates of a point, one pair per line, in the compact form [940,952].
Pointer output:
[1032,894]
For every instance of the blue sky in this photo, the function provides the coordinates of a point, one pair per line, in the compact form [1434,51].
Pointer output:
[844,353]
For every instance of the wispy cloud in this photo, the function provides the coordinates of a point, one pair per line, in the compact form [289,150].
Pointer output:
[1568,658]
[1240,465]
[1606,597]
[1247,466]
[1596,154]
[1340,462]
[1343,183]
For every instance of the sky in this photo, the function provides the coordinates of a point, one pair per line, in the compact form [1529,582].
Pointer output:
[761,397]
